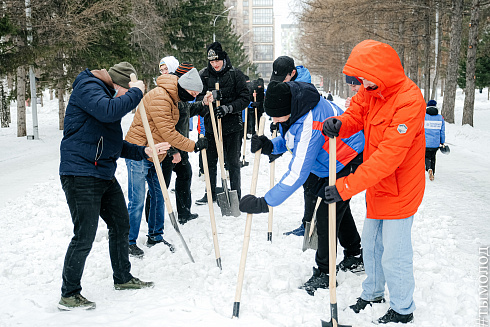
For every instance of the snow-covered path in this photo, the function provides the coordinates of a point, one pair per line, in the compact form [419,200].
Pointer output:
[448,230]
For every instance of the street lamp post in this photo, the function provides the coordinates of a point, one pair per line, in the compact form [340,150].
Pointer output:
[214,22]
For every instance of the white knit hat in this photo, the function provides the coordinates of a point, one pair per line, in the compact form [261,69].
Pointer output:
[171,62]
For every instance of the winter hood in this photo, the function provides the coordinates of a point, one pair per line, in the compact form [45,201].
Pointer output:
[304,97]
[379,63]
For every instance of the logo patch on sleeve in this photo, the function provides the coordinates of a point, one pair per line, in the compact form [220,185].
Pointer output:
[402,128]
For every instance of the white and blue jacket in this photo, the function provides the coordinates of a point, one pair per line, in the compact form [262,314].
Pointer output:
[435,131]
[304,139]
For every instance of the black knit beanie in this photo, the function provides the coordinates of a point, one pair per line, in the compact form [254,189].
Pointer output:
[278,99]
[215,52]
[120,74]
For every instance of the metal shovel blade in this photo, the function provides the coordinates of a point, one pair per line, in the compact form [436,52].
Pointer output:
[310,242]
[228,202]
[331,324]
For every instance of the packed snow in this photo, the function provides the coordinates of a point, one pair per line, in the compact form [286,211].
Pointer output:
[449,229]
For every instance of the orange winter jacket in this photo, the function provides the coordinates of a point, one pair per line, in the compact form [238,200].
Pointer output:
[392,117]
[163,113]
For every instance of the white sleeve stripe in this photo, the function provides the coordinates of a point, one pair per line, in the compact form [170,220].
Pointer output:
[301,151]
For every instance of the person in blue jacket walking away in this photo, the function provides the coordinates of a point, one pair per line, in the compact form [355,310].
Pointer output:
[92,142]
[300,110]
[435,136]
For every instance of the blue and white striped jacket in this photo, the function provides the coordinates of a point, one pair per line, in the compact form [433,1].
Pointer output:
[304,139]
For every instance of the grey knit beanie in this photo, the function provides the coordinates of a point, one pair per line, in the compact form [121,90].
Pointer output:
[191,81]
[120,73]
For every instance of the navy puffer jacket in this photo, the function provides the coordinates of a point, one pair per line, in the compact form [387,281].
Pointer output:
[92,137]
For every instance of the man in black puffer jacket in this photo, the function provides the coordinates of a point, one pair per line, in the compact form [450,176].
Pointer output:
[234,98]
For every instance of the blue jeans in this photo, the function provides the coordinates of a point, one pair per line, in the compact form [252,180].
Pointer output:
[88,198]
[138,173]
[388,258]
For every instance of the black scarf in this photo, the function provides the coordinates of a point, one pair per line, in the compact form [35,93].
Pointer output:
[183,94]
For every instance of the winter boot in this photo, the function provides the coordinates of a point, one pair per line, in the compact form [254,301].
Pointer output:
[133,284]
[318,280]
[75,302]
[184,219]
[204,199]
[150,243]
[300,231]
[352,263]
[361,304]
[135,251]
[393,316]
[431,175]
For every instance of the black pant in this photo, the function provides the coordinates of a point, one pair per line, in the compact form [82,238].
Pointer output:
[88,198]
[347,233]
[231,148]
[183,180]
[430,159]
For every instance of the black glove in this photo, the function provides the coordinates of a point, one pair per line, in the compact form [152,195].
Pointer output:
[254,104]
[223,110]
[331,127]
[331,194]
[252,204]
[261,142]
[273,157]
[202,143]
[274,127]
[217,96]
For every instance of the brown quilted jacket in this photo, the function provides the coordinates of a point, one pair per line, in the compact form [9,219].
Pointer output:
[163,113]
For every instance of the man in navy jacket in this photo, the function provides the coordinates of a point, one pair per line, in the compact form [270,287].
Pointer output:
[92,142]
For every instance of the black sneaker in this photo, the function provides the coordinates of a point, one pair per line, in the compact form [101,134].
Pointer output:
[150,243]
[318,280]
[361,304]
[300,231]
[393,316]
[135,251]
[184,219]
[204,199]
[352,263]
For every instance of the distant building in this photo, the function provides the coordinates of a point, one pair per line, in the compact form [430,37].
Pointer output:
[254,21]
[289,37]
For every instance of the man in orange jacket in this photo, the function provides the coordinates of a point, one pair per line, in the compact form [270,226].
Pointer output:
[390,109]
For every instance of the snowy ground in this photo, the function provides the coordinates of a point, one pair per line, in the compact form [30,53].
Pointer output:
[449,228]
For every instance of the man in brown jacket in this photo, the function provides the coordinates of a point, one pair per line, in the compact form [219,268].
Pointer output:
[163,115]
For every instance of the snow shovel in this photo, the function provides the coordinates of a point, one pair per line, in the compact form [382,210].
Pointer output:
[310,240]
[227,200]
[248,227]
[332,238]
[210,205]
[271,183]
[158,168]
[245,163]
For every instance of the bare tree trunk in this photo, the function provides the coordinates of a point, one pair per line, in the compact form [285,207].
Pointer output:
[469,99]
[21,102]
[4,107]
[51,94]
[414,58]
[453,62]
[61,106]
[401,33]
[438,48]
[427,51]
